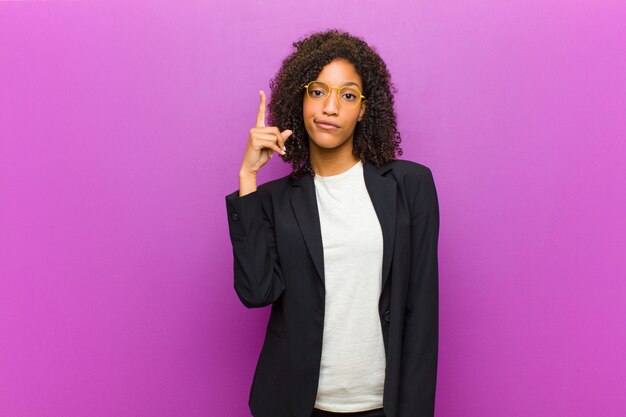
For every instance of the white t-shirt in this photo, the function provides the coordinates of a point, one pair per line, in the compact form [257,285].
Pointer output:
[352,372]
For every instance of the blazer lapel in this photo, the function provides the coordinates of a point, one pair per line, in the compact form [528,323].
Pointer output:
[382,192]
[304,204]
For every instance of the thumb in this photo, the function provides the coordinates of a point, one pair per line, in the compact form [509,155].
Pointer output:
[286,134]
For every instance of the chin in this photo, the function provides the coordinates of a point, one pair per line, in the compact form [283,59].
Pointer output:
[327,143]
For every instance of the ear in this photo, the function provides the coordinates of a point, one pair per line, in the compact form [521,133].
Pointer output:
[362,112]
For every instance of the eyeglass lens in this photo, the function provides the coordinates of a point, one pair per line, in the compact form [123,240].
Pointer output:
[348,95]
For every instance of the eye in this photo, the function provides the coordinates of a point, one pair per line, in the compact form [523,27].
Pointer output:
[349,97]
[316,92]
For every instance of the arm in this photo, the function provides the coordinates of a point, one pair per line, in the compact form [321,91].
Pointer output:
[258,278]
[420,344]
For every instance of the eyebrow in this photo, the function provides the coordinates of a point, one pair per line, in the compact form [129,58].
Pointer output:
[347,83]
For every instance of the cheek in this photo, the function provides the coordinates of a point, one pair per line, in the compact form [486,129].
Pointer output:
[308,113]
[307,110]
[307,116]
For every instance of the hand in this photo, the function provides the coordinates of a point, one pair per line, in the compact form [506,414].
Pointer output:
[262,142]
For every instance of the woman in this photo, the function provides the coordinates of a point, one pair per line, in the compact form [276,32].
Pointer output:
[344,248]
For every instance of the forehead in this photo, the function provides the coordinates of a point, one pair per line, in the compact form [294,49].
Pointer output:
[340,72]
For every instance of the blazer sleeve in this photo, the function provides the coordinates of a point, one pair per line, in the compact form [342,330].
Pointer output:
[258,278]
[420,343]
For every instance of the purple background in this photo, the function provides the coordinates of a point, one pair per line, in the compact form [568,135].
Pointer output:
[123,126]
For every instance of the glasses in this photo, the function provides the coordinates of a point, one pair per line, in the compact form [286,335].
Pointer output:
[349,96]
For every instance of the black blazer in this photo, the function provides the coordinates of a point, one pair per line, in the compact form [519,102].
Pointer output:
[279,260]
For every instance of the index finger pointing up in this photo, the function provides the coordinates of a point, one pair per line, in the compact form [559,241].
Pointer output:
[260,117]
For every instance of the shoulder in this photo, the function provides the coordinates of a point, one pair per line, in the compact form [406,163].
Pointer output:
[262,192]
[278,185]
[405,170]
[406,166]
[415,179]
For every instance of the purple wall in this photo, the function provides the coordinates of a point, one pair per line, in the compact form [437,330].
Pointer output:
[123,126]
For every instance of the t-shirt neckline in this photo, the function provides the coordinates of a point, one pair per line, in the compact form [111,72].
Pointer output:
[344,174]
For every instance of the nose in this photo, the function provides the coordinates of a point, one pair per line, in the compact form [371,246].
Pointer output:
[331,104]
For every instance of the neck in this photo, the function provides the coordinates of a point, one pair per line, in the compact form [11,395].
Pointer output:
[326,162]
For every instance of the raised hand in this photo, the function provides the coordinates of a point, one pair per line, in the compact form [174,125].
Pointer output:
[262,142]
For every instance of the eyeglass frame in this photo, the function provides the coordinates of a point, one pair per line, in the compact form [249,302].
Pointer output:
[334,87]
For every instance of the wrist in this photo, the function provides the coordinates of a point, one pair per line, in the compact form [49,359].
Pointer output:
[247,182]
[243,174]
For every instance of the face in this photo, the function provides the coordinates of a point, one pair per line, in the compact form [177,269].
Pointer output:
[337,73]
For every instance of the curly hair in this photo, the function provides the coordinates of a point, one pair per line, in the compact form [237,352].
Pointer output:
[376,138]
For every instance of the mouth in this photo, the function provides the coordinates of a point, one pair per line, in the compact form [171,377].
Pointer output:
[327,126]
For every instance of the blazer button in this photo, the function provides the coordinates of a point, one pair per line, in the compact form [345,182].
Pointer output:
[234,216]
[387,316]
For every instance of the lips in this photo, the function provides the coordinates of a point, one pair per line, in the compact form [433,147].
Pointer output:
[326,125]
